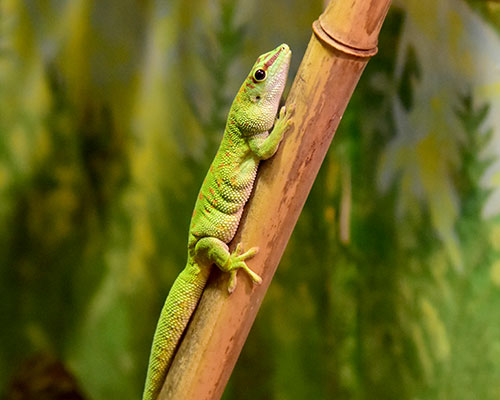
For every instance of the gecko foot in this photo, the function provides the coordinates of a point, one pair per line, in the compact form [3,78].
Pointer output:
[284,120]
[236,261]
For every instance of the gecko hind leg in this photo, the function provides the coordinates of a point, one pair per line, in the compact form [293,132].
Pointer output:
[214,251]
[237,260]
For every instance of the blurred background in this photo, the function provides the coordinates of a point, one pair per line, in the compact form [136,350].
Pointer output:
[110,113]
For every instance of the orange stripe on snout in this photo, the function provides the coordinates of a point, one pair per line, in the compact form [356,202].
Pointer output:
[271,61]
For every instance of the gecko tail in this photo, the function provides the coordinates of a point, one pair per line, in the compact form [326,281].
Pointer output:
[174,318]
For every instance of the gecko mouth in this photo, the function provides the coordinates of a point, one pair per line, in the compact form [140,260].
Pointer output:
[279,62]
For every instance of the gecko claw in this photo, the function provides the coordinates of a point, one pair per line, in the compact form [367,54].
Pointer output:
[232,282]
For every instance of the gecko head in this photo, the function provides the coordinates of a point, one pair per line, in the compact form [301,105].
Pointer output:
[254,108]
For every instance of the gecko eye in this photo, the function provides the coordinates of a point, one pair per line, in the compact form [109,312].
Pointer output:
[259,75]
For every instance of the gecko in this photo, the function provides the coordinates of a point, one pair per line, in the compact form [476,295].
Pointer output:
[247,140]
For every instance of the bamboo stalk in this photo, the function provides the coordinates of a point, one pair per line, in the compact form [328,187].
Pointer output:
[345,37]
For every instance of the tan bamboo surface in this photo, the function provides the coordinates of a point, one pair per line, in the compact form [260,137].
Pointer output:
[345,37]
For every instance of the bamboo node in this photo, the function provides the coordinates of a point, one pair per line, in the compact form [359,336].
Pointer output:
[323,35]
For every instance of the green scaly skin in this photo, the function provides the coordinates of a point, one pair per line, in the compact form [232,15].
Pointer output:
[220,203]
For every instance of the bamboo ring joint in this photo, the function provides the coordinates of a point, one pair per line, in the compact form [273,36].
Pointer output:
[323,35]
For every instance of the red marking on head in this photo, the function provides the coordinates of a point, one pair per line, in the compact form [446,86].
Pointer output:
[218,181]
[211,190]
[271,61]
[250,85]
[221,165]
[200,196]
[211,168]
[228,154]
[194,213]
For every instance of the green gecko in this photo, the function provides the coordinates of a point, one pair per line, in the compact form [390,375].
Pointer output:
[220,203]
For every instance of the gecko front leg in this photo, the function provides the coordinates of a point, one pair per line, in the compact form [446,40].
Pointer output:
[264,145]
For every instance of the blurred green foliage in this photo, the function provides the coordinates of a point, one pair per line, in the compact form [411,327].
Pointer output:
[110,113]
